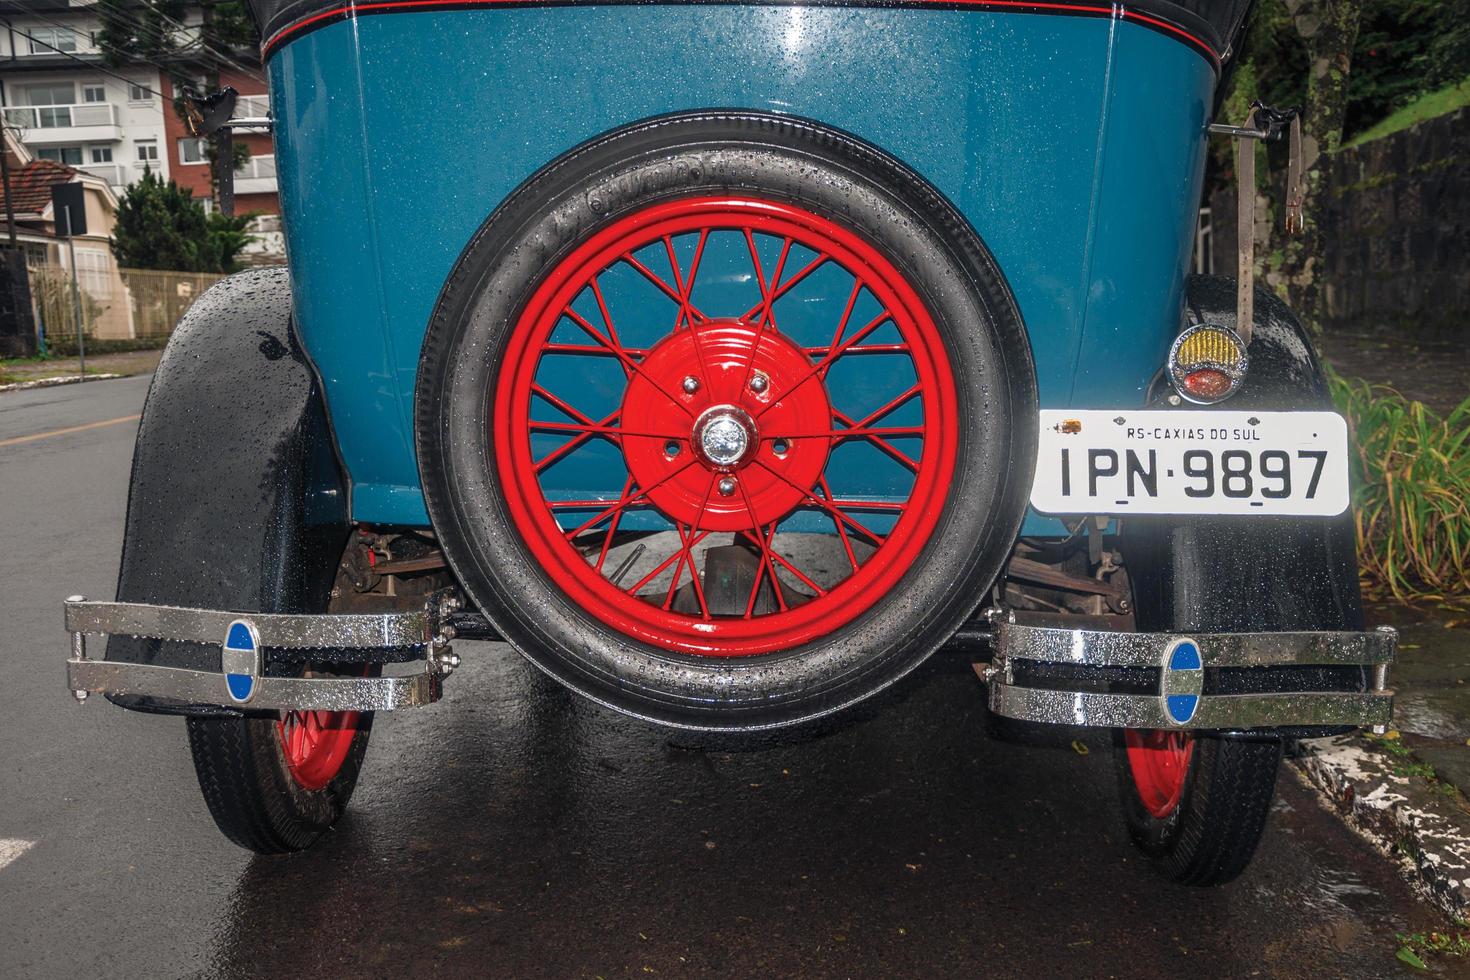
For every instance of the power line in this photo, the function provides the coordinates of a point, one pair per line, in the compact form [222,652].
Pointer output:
[68,27]
[203,43]
[93,66]
[218,56]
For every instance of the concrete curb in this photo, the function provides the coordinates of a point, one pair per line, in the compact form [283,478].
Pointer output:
[1386,798]
[52,382]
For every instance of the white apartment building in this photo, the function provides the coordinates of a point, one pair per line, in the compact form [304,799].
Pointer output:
[66,105]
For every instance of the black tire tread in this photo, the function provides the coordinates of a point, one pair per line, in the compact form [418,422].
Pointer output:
[1211,837]
[251,795]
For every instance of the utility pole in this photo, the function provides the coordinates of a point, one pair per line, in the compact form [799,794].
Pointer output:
[5,172]
[76,294]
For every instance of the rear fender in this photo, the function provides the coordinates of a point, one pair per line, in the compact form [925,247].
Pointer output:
[1242,574]
[237,500]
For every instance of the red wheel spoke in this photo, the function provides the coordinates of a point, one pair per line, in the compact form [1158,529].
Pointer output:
[781,560]
[765,543]
[623,505]
[687,553]
[658,281]
[597,429]
[764,318]
[594,350]
[858,432]
[632,365]
[860,349]
[612,527]
[607,320]
[678,555]
[824,505]
[821,366]
[857,288]
[787,286]
[686,289]
[589,430]
[841,531]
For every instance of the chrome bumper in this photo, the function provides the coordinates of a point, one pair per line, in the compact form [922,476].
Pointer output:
[422,630]
[1024,655]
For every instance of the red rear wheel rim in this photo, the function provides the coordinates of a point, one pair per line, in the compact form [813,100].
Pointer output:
[316,744]
[788,430]
[1159,761]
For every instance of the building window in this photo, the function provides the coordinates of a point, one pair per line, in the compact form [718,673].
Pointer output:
[94,93]
[147,151]
[192,151]
[57,93]
[101,154]
[139,93]
[69,155]
[94,272]
[49,40]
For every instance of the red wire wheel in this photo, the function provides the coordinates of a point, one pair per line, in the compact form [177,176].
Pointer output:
[725,426]
[1159,763]
[726,420]
[316,744]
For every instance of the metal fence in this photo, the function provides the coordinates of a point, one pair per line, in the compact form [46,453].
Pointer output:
[117,304]
[160,298]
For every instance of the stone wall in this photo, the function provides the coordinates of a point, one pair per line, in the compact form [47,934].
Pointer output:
[1396,231]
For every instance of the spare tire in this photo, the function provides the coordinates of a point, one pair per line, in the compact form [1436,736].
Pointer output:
[726,420]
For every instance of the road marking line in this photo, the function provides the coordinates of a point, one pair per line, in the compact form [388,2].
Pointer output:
[67,431]
[12,849]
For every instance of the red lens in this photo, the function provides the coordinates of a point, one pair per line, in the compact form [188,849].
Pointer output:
[1207,383]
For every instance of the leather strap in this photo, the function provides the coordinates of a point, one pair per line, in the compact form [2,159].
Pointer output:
[1296,190]
[1245,232]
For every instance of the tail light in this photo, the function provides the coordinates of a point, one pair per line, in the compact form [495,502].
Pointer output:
[1207,364]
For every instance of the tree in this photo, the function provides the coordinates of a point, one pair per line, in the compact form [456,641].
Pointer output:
[1328,29]
[161,226]
[154,31]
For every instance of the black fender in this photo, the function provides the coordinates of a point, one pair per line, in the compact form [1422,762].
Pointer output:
[237,499]
[1252,574]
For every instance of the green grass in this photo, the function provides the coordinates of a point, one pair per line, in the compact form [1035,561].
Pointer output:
[1411,492]
[1427,106]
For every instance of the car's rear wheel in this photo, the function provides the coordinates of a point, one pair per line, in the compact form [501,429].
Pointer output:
[275,785]
[726,420]
[1197,803]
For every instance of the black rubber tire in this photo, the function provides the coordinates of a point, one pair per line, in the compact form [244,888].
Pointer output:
[780,158]
[1210,837]
[250,791]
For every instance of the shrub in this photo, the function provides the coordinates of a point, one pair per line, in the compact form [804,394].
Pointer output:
[1411,492]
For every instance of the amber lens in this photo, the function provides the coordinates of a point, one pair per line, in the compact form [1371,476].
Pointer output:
[1208,346]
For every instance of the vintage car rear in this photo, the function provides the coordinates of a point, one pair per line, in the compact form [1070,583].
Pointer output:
[728,360]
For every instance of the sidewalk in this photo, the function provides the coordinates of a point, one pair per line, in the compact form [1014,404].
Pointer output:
[1406,791]
[111,365]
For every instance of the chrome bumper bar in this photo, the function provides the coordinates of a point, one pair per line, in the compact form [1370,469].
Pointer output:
[242,668]
[1182,701]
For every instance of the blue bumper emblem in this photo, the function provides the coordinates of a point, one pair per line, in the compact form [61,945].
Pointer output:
[240,660]
[1182,680]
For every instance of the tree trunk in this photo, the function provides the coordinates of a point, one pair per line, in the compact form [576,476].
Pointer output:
[1328,28]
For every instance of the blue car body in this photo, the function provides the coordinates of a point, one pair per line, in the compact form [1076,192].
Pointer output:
[1074,145]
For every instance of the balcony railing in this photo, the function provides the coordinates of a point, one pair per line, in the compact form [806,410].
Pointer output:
[114,173]
[34,117]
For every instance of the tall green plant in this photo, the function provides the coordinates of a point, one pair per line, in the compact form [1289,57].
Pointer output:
[1411,491]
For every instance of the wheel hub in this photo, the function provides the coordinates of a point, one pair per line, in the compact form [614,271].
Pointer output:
[724,436]
[758,420]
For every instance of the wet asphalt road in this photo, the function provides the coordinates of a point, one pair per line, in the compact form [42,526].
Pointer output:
[516,831]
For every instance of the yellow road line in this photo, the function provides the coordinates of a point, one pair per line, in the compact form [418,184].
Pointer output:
[67,431]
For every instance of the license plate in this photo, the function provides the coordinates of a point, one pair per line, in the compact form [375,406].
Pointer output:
[1191,462]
